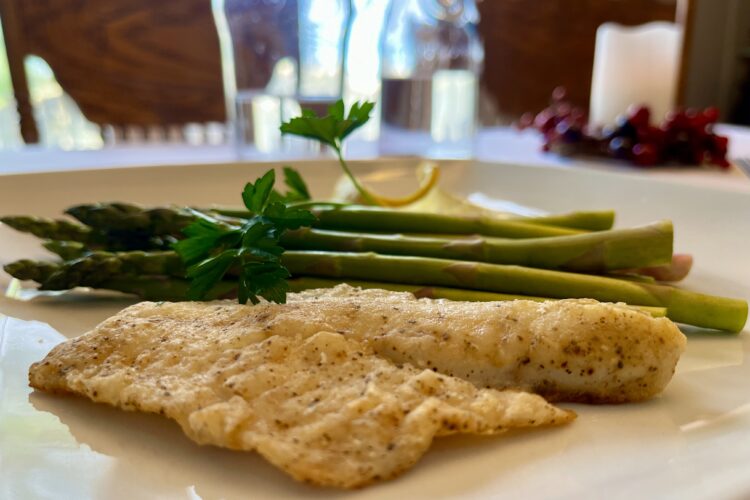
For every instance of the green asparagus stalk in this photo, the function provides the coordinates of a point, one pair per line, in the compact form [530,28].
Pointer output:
[106,274]
[160,287]
[682,306]
[32,270]
[586,220]
[357,217]
[92,238]
[623,248]
[586,252]
[171,220]
[53,229]
[388,220]
[67,250]
[96,267]
[129,217]
[582,220]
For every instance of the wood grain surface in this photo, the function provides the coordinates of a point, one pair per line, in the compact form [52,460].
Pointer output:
[124,62]
[14,46]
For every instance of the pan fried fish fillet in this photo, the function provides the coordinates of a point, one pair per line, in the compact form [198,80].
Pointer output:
[323,408]
[568,350]
[344,386]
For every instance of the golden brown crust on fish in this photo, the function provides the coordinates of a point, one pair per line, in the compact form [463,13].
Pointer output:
[576,350]
[324,408]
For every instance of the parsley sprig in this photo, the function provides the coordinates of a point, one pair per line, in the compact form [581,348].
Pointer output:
[214,246]
[332,129]
[297,191]
[250,249]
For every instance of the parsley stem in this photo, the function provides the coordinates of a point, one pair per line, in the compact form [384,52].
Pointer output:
[360,188]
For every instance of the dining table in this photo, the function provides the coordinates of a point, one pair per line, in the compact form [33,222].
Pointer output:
[691,442]
[504,145]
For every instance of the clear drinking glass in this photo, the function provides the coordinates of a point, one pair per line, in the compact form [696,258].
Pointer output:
[431,61]
[281,56]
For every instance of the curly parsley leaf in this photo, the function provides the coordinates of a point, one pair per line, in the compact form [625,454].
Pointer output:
[297,189]
[332,128]
[266,279]
[251,251]
[288,218]
[207,273]
[257,195]
[204,236]
[359,114]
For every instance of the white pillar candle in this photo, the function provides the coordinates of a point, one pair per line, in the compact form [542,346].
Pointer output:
[634,65]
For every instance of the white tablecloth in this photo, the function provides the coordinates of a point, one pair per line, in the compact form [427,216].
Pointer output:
[500,144]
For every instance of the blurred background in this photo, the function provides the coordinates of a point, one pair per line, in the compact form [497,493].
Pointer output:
[88,74]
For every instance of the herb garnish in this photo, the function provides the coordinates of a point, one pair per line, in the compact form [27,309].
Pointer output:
[296,188]
[249,248]
[332,129]
[213,247]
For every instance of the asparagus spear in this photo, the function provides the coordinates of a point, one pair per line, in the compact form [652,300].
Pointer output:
[389,220]
[93,238]
[160,287]
[588,220]
[378,219]
[53,229]
[589,251]
[67,250]
[582,220]
[96,267]
[130,217]
[171,220]
[586,252]
[128,227]
[682,306]
[32,270]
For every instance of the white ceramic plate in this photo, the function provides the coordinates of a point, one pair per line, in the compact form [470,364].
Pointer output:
[691,442]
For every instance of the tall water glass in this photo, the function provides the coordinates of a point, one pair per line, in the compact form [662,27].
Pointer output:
[431,62]
[280,56]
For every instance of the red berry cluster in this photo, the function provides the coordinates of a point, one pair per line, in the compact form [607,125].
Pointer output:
[684,137]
